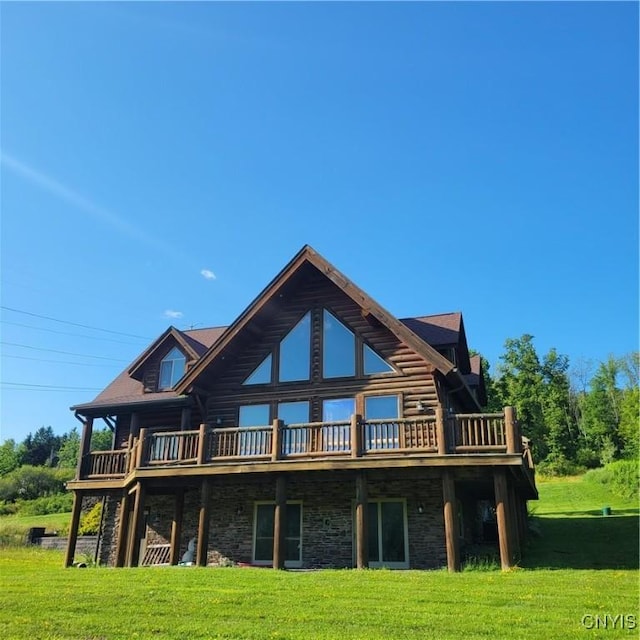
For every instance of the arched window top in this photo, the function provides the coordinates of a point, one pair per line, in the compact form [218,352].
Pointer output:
[172,368]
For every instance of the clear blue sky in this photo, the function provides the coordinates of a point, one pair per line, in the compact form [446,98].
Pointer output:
[477,157]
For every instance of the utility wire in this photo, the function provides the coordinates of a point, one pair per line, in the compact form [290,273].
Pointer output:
[67,353]
[74,324]
[83,364]
[51,387]
[65,333]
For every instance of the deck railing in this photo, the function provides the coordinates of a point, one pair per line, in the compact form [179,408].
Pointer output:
[423,435]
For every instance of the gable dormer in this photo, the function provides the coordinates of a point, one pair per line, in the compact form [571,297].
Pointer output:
[165,362]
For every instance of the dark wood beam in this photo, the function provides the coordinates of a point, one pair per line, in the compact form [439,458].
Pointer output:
[450,520]
[123,529]
[176,526]
[137,526]
[280,522]
[73,529]
[503,518]
[203,523]
[362,521]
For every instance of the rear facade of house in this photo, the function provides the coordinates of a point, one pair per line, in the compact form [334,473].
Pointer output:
[316,431]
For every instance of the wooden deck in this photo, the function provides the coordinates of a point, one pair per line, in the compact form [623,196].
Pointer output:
[170,451]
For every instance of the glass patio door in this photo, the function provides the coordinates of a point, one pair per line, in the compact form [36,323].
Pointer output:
[388,534]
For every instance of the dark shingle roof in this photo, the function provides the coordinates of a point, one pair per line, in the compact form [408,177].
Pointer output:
[437,330]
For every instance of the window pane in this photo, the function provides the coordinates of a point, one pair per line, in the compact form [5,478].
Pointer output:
[264,523]
[171,368]
[262,373]
[338,409]
[379,407]
[295,352]
[392,515]
[165,375]
[293,412]
[338,348]
[293,521]
[253,415]
[372,532]
[373,363]
[294,440]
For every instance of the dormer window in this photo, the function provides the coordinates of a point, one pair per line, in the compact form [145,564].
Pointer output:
[171,369]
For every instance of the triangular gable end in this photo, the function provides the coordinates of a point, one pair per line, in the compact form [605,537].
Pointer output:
[363,300]
[170,336]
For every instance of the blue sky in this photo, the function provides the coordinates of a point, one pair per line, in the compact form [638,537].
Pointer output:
[480,157]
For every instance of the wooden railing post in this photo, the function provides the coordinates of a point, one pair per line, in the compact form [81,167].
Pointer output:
[140,453]
[440,431]
[85,448]
[276,440]
[510,429]
[202,435]
[356,436]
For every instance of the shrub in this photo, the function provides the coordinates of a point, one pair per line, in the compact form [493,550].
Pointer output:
[622,477]
[28,483]
[90,521]
[59,503]
[554,466]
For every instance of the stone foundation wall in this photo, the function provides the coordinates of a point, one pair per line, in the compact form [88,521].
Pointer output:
[327,516]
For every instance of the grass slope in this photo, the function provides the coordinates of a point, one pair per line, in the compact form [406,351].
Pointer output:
[39,600]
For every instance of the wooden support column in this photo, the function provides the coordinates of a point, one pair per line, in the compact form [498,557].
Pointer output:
[134,424]
[280,523]
[276,440]
[73,529]
[450,520]
[141,454]
[440,431]
[362,521]
[176,527]
[123,528]
[202,436]
[503,517]
[203,523]
[356,436]
[137,525]
[85,448]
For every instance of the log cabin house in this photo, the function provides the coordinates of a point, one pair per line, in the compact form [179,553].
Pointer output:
[317,430]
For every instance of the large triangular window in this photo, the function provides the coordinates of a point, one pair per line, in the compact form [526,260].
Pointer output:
[338,348]
[295,352]
[262,373]
[373,363]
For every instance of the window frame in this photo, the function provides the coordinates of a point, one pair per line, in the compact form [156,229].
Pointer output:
[172,361]
[291,564]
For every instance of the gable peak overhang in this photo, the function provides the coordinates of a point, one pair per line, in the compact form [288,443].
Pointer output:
[171,336]
[308,256]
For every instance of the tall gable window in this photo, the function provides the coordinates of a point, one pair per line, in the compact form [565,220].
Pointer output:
[343,354]
[171,369]
[338,348]
[295,352]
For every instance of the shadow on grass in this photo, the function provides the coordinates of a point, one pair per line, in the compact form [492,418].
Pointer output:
[584,543]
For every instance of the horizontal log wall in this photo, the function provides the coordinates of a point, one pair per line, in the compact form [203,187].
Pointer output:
[414,380]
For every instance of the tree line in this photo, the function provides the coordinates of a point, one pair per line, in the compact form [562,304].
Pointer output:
[577,416]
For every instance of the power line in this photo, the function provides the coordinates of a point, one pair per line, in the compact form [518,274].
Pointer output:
[74,324]
[65,333]
[67,353]
[50,387]
[83,364]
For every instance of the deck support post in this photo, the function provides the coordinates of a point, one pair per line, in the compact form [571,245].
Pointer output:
[73,529]
[280,523]
[85,448]
[450,520]
[203,523]
[440,431]
[362,537]
[176,527]
[503,514]
[123,527]
[137,525]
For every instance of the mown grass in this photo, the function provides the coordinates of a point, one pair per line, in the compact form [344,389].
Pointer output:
[40,600]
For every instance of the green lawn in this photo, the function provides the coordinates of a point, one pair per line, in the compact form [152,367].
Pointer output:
[40,600]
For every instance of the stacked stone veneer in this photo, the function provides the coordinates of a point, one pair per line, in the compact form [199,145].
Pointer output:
[327,516]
